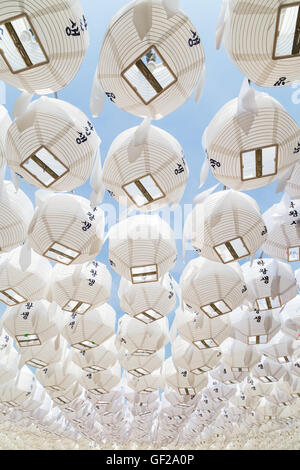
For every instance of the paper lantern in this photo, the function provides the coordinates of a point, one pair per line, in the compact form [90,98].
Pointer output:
[153,178]
[80,288]
[250,149]
[259,386]
[16,212]
[239,356]
[211,288]
[290,316]
[9,366]
[91,330]
[6,342]
[261,37]
[281,348]
[227,227]
[96,359]
[31,324]
[188,357]
[139,366]
[145,383]
[5,123]
[255,328]
[42,356]
[62,398]
[158,64]
[18,286]
[283,240]
[59,377]
[219,392]
[227,375]
[148,302]
[184,384]
[270,283]
[52,145]
[101,383]
[268,371]
[16,392]
[140,339]
[142,248]
[42,45]
[281,395]
[266,411]
[199,330]
[181,401]
[66,230]
[240,400]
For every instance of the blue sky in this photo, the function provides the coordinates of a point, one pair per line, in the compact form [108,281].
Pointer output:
[187,124]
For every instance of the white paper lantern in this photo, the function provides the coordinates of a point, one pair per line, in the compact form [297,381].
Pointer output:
[268,371]
[227,227]
[180,400]
[66,230]
[145,384]
[251,149]
[255,328]
[140,339]
[199,330]
[16,212]
[59,377]
[31,324]
[188,357]
[266,411]
[261,38]
[148,302]
[212,288]
[6,342]
[96,359]
[9,366]
[101,383]
[148,175]
[80,288]
[5,123]
[43,45]
[16,392]
[227,375]
[18,286]
[283,240]
[290,316]
[219,392]
[39,357]
[187,384]
[139,366]
[66,397]
[290,181]
[281,348]
[239,356]
[52,145]
[157,66]
[90,330]
[142,248]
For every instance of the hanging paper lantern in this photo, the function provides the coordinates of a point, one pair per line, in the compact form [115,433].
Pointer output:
[199,330]
[249,145]
[229,376]
[271,284]
[59,377]
[139,366]
[156,67]
[148,302]
[9,365]
[184,384]
[219,392]
[39,357]
[66,230]
[16,392]
[266,411]
[6,342]
[96,359]
[140,339]
[238,356]
[283,239]
[80,288]
[188,357]
[66,397]
[212,288]
[52,145]
[240,400]
[16,212]
[43,45]
[261,37]
[90,330]
[255,328]
[281,394]
[101,383]
[281,348]
[181,401]
[290,316]
[145,172]
[268,371]
[5,123]
[18,286]
[142,248]
[259,386]
[227,227]
[31,324]
[146,383]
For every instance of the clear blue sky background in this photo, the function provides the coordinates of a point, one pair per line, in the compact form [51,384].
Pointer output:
[186,124]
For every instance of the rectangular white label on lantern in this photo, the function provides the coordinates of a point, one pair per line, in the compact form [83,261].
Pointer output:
[287,34]
[52,171]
